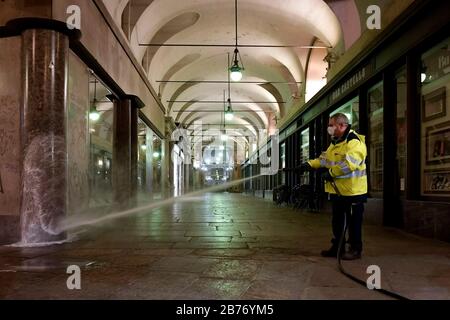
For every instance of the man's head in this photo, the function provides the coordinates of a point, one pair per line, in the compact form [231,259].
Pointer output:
[337,125]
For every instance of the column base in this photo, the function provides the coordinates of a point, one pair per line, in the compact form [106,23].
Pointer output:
[9,229]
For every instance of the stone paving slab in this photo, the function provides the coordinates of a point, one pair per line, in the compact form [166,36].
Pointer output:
[184,264]
[215,289]
[338,293]
[228,246]
[211,239]
[212,245]
[283,289]
[233,269]
[215,233]
[156,285]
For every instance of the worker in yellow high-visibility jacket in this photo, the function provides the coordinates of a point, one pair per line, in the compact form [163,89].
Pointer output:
[345,165]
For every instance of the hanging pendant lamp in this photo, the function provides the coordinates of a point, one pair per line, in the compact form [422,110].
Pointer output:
[236,69]
[93,113]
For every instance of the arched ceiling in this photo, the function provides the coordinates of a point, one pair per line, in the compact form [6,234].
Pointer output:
[302,23]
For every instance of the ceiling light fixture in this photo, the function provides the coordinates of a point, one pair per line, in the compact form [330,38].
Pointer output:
[423,77]
[224,136]
[229,111]
[235,69]
[93,113]
[423,73]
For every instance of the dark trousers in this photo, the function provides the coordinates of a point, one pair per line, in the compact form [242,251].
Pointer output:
[346,210]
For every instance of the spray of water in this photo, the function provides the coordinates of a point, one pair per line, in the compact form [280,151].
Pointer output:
[75,222]
[40,244]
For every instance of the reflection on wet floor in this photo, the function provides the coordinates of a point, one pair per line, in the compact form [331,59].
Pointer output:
[226,246]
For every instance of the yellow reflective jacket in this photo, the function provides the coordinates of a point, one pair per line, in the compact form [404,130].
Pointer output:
[345,160]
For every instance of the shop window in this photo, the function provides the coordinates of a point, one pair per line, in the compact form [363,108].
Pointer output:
[101,141]
[142,181]
[157,155]
[283,161]
[351,110]
[178,176]
[375,143]
[149,162]
[283,155]
[401,124]
[304,153]
[435,121]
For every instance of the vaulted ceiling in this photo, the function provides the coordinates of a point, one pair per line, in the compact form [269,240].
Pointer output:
[282,45]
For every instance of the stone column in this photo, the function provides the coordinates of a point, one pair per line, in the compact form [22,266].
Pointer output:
[166,160]
[125,144]
[165,168]
[45,54]
[149,162]
[236,175]
[121,163]
[134,155]
[187,177]
[171,173]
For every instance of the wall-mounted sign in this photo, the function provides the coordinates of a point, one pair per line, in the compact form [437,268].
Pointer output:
[351,83]
[436,63]
[291,129]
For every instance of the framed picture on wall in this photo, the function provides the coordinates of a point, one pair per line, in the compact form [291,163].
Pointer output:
[438,144]
[433,105]
[437,182]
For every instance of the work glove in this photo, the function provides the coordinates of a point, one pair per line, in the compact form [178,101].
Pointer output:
[327,176]
[304,167]
[300,169]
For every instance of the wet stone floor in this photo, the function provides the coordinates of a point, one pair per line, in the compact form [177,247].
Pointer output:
[223,246]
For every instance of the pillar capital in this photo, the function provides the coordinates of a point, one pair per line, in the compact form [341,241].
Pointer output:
[170,127]
[17,26]
[136,102]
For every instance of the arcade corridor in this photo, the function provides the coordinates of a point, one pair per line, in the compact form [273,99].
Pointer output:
[224,246]
[187,150]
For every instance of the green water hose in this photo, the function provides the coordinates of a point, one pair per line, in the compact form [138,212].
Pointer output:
[339,255]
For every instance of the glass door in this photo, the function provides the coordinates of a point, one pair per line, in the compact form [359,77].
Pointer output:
[375,143]
[401,129]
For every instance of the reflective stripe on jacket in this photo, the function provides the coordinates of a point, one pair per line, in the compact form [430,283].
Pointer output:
[345,160]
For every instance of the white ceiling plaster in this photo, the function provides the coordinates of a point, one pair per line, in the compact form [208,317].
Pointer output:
[293,22]
[316,77]
[115,8]
[310,16]
[239,92]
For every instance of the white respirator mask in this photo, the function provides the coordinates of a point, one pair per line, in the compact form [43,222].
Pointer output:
[331,130]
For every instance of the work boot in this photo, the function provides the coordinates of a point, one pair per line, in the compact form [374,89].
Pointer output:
[332,252]
[352,254]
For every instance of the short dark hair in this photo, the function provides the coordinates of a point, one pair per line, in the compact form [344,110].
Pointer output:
[340,118]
